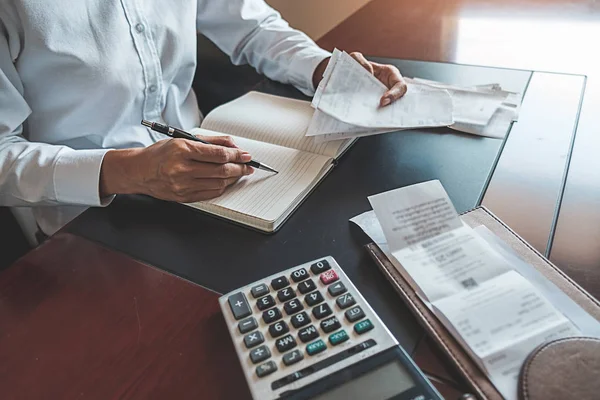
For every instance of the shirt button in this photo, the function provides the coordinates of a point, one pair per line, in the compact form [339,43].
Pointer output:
[140,28]
[152,88]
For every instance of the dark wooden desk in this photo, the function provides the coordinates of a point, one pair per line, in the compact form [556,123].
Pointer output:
[80,321]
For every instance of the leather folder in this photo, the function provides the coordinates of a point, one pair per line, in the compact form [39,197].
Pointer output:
[458,357]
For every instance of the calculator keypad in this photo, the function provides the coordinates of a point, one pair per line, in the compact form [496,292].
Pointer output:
[324,316]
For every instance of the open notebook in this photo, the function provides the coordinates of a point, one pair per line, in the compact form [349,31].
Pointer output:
[272,129]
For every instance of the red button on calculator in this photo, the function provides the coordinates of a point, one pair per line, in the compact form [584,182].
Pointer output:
[329,276]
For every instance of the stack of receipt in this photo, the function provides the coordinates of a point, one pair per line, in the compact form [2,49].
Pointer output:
[347,99]
[496,305]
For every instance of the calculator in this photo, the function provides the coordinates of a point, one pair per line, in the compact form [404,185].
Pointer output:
[307,332]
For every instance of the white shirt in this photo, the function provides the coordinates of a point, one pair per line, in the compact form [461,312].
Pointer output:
[76,78]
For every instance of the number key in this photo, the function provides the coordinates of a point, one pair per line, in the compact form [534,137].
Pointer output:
[322,311]
[271,315]
[319,267]
[286,294]
[306,286]
[278,329]
[299,275]
[292,306]
[265,302]
[313,298]
[300,319]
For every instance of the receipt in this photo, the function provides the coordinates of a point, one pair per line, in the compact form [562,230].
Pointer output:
[498,315]
[351,94]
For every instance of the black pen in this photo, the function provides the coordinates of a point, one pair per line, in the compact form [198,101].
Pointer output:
[179,134]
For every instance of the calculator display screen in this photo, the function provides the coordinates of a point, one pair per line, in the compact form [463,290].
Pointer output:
[381,383]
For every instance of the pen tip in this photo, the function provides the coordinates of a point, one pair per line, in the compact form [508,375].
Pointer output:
[146,123]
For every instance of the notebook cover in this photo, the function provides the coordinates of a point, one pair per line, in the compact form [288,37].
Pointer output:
[474,377]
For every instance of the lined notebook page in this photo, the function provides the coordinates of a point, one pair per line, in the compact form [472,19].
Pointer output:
[264,195]
[272,119]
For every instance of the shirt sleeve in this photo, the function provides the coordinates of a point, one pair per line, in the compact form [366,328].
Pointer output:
[251,32]
[36,174]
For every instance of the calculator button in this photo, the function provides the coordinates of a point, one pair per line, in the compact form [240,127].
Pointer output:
[363,326]
[319,267]
[260,354]
[253,339]
[299,275]
[321,311]
[328,277]
[271,315]
[313,298]
[300,319]
[265,302]
[279,283]
[286,294]
[239,305]
[330,324]
[338,337]
[306,286]
[278,329]
[308,334]
[315,347]
[266,369]
[337,289]
[247,325]
[293,306]
[259,290]
[285,343]
[345,301]
[292,357]
[354,314]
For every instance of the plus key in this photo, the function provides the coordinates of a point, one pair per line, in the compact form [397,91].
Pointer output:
[328,277]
